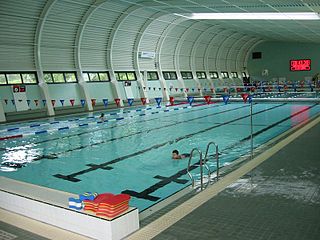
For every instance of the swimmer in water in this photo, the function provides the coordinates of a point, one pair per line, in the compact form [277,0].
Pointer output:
[176,155]
[102,117]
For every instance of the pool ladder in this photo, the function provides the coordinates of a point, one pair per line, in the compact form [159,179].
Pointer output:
[203,162]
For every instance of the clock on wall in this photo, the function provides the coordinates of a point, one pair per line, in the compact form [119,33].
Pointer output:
[300,65]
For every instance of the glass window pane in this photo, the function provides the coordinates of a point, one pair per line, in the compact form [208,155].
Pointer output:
[104,76]
[213,75]
[94,77]
[70,77]
[173,75]
[85,77]
[29,78]
[58,77]
[14,78]
[123,76]
[153,76]
[47,78]
[3,79]
[166,75]
[131,76]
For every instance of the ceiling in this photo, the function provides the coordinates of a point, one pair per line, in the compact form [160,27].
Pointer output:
[287,30]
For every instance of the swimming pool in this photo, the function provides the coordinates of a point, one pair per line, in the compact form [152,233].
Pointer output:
[131,152]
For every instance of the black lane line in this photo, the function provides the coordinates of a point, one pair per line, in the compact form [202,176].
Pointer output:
[136,133]
[72,177]
[102,129]
[145,194]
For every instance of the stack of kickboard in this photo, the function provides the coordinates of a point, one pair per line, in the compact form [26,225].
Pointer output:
[77,203]
[107,205]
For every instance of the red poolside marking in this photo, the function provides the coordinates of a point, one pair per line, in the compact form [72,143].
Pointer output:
[10,137]
[182,103]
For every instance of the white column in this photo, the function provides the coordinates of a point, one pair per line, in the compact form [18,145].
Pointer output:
[84,91]
[44,90]
[115,86]
[143,86]
[2,115]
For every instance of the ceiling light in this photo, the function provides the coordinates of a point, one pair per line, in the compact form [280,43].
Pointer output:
[254,16]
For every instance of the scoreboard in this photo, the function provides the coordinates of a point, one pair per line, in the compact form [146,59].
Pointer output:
[300,65]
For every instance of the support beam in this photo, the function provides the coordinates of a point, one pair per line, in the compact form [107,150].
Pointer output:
[37,55]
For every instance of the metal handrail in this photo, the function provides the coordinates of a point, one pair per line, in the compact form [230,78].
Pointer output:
[216,156]
[201,170]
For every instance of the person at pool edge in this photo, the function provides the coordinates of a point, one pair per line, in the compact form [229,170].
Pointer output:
[176,155]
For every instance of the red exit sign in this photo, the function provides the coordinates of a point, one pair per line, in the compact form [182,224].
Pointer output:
[300,65]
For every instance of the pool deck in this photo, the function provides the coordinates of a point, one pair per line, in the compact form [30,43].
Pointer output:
[276,197]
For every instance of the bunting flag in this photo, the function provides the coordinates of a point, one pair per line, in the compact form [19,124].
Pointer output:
[53,102]
[159,88]
[164,89]
[6,101]
[13,101]
[117,100]
[62,102]
[143,100]
[130,101]
[192,89]
[187,89]
[158,100]
[82,102]
[44,102]
[190,100]
[207,99]
[171,100]
[225,99]
[93,102]
[28,102]
[181,89]
[154,89]
[212,90]
[244,97]
[20,100]
[72,102]
[144,88]
[176,89]
[36,102]
[149,88]
[105,102]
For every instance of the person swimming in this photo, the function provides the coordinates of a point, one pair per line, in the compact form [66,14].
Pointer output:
[102,117]
[176,155]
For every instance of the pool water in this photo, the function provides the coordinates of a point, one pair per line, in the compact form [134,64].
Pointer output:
[133,154]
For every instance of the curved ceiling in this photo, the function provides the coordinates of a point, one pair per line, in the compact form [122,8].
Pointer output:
[108,35]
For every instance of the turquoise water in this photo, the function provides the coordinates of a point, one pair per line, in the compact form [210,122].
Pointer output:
[133,155]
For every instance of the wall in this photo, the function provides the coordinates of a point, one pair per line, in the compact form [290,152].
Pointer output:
[276,57]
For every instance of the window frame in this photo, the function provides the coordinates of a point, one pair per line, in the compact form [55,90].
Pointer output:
[203,75]
[87,73]
[187,77]
[224,74]
[234,74]
[213,73]
[116,73]
[20,73]
[170,73]
[64,77]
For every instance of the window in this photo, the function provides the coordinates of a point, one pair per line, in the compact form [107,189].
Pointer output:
[234,74]
[96,76]
[186,75]
[18,78]
[151,76]
[201,75]
[3,79]
[225,74]
[70,77]
[48,77]
[60,77]
[213,75]
[169,75]
[29,78]
[14,78]
[126,76]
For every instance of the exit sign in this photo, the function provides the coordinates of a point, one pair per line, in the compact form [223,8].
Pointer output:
[300,65]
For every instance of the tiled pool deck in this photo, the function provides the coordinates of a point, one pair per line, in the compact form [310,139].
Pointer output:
[279,199]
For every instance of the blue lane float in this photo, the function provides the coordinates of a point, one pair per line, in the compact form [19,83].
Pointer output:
[158,100]
[130,101]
